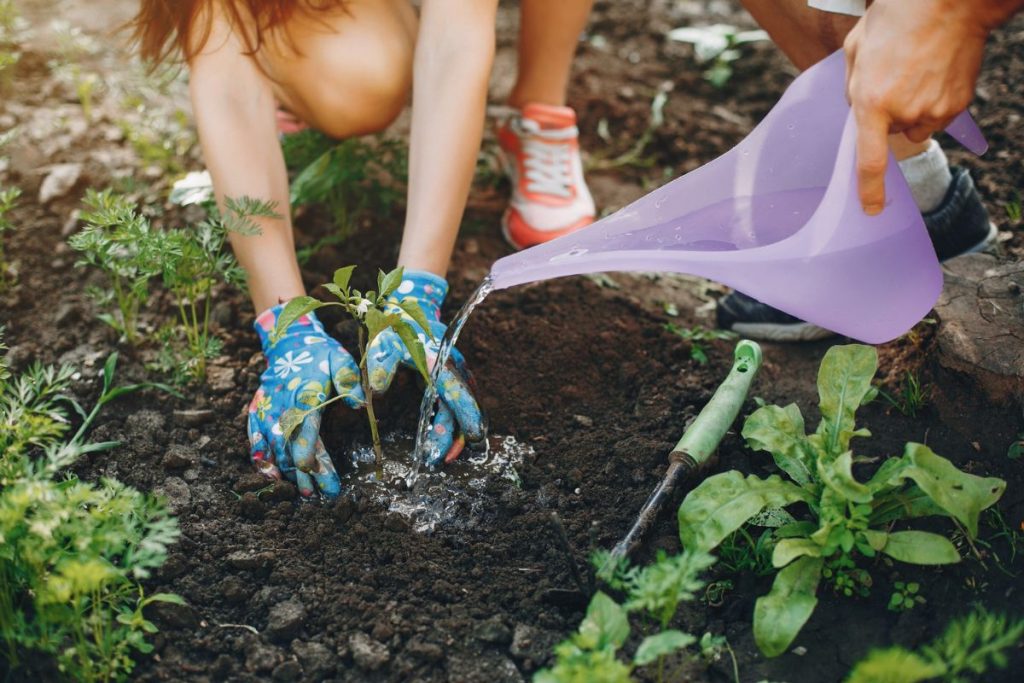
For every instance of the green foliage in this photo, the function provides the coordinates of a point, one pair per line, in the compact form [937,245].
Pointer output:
[1013,209]
[190,261]
[375,313]
[71,553]
[8,196]
[741,553]
[848,519]
[718,44]
[698,337]
[970,646]
[10,28]
[351,178]
[1016,449]
[912,397]
[591,654]
[905,596]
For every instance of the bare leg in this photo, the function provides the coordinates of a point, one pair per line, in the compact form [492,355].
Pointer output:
[547,44]
[807,35]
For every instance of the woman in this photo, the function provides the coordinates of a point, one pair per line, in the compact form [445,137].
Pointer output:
[345,68]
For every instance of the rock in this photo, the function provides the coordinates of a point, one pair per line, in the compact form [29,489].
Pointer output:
[316,659]
[59,181]
[287,671]
[981,325]
[178,457]
[221,378]
[422,649]
[522,640]
[285,619]
[71,224]
[494,631]
[249,559]
[367,653]
[176,493]
[583,421]
[261,656]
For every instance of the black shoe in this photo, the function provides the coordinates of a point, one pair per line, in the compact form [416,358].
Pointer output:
[958,226]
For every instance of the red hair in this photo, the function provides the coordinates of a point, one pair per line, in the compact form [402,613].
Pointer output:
[180,28]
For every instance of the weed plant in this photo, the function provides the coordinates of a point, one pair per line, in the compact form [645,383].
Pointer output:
[847,519]
[375,312]
[698,337]
[912,397]
[72,552]
[719,45]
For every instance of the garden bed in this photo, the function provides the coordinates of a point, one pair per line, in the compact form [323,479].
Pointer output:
[582,374]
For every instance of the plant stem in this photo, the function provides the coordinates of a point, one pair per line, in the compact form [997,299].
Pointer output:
[364,378]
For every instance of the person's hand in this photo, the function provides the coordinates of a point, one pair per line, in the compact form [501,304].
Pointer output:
[911,67]
[458,416]
[302,366]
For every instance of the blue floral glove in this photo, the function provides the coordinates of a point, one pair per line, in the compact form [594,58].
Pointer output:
[458,416]
[301,367]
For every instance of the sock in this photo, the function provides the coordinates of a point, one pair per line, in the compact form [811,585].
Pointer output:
[928,175]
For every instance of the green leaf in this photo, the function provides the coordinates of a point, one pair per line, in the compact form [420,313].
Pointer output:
[781,432]
[342,277]
[789,549]
[172,598]
[606,622]
[412,342]
[779,615]
[662,644]
[413,310]
[290,421]
[920,547]
[961,495]
[838,476]
[844,380]
[108,371]
[389,283]
[376,322]
[336,291]
[894,665]
[721,504]
[293,310]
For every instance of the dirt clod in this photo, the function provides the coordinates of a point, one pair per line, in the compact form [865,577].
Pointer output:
[285,620]
[368,654]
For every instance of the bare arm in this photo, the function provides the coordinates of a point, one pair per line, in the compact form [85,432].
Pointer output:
[234,110]
[454,52]
[911,68]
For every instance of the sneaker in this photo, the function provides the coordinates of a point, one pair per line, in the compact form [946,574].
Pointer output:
[541,155]
[958,226]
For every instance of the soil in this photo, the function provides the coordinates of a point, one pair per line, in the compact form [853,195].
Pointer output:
[581,370]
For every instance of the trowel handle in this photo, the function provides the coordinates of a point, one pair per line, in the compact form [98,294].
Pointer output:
[701,439]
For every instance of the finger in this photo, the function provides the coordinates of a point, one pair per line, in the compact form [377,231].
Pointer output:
[443,442]
[345,376]
[383,356]
[872,157]
[921,132]
[259,450]
[455,393]
[303,442]
[323,473]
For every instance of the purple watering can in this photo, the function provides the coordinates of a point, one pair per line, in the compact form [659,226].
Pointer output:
[778,218]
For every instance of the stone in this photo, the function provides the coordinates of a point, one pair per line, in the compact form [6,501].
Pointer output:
[193,418]
[221,378]
[494,631]
[261,656]
[425,650]
[178,457]
[981,325]
[367,653]
[316,659]
[285,620]
[61,179]
[249,559]
[522,640]
[176,492]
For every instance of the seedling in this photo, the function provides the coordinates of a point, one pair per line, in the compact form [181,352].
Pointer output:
[635,155]
[1013,209]
[906,595]
[698,337]
[718,44]
[351,178]
[970,646]
[73,552]
[657,591]
[741,553]
[848,519]
[375,313]
[911,398]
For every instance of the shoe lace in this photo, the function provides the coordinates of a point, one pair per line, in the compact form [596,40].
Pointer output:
[547,159]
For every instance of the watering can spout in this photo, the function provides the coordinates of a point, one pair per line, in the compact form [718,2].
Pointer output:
[778,218]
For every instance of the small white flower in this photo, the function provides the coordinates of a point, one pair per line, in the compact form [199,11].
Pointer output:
[363,306]
[288,363]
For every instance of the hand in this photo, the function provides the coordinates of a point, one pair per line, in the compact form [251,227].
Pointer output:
[458,417]
[910,67]
[301,368]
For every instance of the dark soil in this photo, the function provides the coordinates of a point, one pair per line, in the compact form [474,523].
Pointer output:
[583,373]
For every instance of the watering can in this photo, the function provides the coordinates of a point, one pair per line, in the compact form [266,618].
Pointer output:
[777,218]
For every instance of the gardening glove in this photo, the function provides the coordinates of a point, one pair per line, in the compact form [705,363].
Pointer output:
[301,367]
[458,417]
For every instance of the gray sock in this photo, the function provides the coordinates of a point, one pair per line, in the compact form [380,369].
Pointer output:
[928,175]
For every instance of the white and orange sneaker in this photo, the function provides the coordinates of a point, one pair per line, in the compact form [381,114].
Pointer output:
[541,154]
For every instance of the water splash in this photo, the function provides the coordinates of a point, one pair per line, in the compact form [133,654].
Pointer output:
[421,452]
